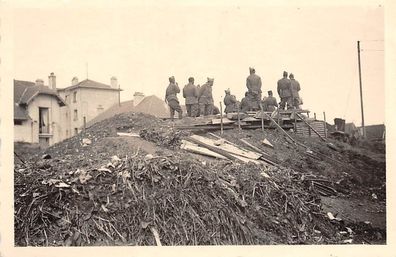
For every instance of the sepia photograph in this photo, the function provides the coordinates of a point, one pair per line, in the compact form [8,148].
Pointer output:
[197,124]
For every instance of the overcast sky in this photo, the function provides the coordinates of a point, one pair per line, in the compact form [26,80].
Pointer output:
[143,46]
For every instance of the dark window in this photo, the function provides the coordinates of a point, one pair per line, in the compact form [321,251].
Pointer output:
[75,115]
[75,131]
[75,97]
[44,120]
[18,122]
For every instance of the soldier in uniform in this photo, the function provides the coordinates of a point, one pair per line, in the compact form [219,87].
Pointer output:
[245,103]
[230,102]
[253,84]
[269,103]
[284,91]
[205,98]
[190,93]
[295,88]
[170,97]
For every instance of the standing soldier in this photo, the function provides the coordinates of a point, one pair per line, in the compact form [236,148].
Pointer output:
[171,98]
[190,93]
[229,102]
[269,103]
[205,98]
[284,91]
[253,83]
[295,88]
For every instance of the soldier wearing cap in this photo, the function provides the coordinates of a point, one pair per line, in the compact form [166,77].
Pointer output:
[295,88]
[269,103]
[253,84]
[205,98]
[245,105]
[190,93]
[284,91]
[229,102]
[170,97]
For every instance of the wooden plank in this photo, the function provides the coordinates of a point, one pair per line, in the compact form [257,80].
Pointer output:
[225,121]
[228,148]
[122,134]
[194,148]
[230,156]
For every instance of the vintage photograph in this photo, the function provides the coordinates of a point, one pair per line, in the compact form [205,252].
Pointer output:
[199,125]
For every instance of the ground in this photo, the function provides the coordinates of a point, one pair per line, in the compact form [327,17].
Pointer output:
[191,199]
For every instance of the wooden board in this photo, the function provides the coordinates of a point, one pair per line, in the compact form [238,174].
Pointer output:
[225,121]
[229,148]
[194,148]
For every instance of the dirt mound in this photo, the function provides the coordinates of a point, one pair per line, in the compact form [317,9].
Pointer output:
[85,196]
[185,201]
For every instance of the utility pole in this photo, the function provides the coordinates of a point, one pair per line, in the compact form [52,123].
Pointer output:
[361,90]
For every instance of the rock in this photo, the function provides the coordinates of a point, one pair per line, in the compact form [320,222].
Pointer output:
[46,157]
[86,141]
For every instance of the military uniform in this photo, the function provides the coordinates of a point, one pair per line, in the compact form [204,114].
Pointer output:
[269,104]
[253,83]
[172,100]
[245,104]
[295,88]
[284,91]
[205,99]
[190,93]
[230,103]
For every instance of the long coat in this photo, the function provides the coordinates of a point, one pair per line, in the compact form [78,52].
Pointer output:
[284,88]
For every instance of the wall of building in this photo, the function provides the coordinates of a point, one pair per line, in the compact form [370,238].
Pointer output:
[56,128]
[23,133]
[90,102]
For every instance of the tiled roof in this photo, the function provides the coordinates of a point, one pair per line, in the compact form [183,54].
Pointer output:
[24,93]
[87,83]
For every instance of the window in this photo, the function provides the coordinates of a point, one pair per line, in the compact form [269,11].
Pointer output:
[66,98]
[75,131]
[44,120]
[74,97]
[67,133]
[75,115]
[17,122]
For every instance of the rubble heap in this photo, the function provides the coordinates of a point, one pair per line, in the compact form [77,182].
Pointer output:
[185,201]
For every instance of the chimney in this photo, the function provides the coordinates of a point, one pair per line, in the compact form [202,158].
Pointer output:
[113,82]
[39,82]
[137,98]
[52,81]
[74,81]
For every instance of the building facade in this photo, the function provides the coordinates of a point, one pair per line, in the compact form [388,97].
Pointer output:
[85,100]
[46,115]
[37,111]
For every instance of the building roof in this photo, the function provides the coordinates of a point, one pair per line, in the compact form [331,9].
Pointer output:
[87,83]
[374,131]
[25,92]
[150,105]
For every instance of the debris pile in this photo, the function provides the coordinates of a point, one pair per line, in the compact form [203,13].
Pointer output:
[168,137]
[96,189]
[130,201]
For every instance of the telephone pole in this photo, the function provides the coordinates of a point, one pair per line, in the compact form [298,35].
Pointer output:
[361,91]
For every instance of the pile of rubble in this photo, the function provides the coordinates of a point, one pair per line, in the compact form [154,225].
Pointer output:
[88,191]
[146,200]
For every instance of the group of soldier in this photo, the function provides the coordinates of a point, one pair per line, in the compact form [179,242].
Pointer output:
[199,99]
